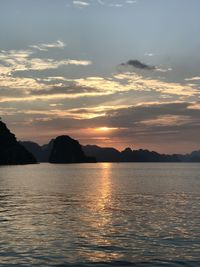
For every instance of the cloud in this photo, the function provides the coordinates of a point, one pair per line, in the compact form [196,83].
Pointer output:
[122,85]
[127,82]
[77,62]
[23,78]
[135,64]
[70,89]
[138,65]
[119,4]
[15,63]
[46,64]
[46,47]
[174,123]
[115,5]
[24,60]
[141,118]
[131,1]
[196,79]
[80,4]
[149,54]
[195,105]
[167,120]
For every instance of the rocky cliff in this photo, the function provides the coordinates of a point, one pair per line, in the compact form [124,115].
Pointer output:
[11,151]
[67,150]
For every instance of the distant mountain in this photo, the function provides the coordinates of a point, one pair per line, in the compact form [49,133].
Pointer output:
[63,149]
[193,157]
[11,151]
[67,150]
[109,154]
[127,155]
[41,153]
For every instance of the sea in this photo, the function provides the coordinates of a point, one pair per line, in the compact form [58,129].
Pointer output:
[104,214]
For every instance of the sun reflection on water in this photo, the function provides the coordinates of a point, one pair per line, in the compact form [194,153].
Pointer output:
[98,213]
[104,187]
[101,222]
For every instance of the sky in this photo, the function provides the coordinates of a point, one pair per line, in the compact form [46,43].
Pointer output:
[120,73]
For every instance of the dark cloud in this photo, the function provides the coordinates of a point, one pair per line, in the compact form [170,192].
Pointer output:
[133,116]
[63,90]
[8,92]
[143,119]
[138,64]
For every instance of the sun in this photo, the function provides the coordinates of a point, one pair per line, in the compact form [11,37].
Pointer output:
[105,129]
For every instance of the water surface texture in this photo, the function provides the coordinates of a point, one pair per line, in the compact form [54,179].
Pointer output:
[103,214]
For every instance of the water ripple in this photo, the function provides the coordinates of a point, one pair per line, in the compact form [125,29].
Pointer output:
[107,215]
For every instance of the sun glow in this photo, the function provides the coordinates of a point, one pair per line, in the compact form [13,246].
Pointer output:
[105,129]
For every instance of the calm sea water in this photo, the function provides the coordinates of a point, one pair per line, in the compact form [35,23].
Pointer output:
[104,214]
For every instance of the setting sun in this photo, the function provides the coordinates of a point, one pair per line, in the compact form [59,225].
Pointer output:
[105,129]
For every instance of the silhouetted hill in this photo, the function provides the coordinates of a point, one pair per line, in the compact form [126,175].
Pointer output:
[11,151]
[67,150]
[34,148]
[142,155]
[127,155]
[193,157]
[41,153]
[109,154]
[47,148]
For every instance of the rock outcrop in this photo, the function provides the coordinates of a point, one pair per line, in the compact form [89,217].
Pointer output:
[11,151]
[67,150]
